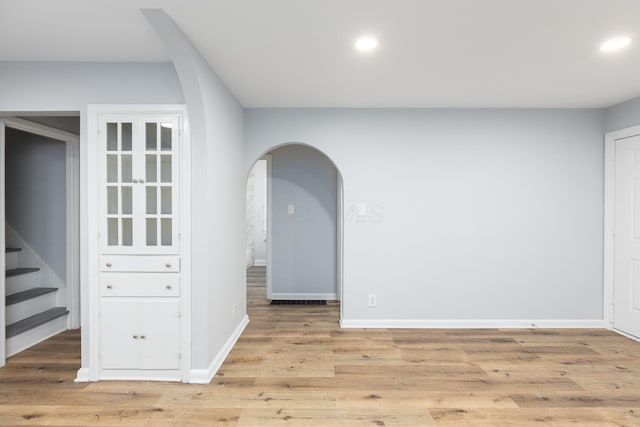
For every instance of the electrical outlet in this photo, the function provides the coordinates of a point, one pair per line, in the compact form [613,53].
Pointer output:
[373,300]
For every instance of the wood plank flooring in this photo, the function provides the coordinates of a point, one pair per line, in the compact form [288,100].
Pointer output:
[294,366]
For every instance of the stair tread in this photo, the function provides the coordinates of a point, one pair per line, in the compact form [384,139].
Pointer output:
[35,320]
[7,250]
[28,294]
[22,270]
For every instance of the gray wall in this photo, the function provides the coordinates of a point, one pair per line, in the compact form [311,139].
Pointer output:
[216,120]
[303,259]
[473,214]
[35,195]
[623,115]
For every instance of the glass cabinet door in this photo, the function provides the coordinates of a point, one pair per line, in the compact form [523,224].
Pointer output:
[139,200]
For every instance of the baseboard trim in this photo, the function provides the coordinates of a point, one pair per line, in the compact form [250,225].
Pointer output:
[204,376]
[279,295]
[624,334]
[260,263]
[472,323]
[83,376]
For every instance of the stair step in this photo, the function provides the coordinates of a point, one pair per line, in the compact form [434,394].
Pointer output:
[35,320]
[19,271]
[8,250]
[26,295]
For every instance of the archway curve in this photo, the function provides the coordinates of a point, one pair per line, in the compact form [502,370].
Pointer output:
[289,143]
[339,214]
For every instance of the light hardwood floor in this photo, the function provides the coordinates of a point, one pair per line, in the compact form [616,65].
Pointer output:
[294,366]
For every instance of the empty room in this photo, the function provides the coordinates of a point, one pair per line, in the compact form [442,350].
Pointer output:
[306,213]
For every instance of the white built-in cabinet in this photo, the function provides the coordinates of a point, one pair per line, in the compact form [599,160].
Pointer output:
[140,246]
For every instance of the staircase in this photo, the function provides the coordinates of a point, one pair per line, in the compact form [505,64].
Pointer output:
[30,306]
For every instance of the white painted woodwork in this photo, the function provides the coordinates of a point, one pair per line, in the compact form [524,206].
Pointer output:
[22,282]
[33,336]
[139,198]
[139,263]
[140,334]
[626,314]
[140,285]
[137,268]
[22,310]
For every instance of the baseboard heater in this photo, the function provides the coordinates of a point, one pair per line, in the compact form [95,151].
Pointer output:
[298,302]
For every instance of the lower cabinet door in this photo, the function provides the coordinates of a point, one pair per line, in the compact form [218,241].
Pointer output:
[119,335]
[139,334]
[160,335]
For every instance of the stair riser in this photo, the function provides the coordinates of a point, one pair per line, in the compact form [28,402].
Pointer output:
[21,283]
[33,336]
[12,260]
[24,309]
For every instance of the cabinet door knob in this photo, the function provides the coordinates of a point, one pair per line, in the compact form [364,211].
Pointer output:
[142,337]
[168,286]
[168,265]
[109,286]
[108,264]
[141,181]
[135,181]
[135,337]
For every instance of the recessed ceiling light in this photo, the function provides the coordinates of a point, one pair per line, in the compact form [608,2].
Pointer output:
[615,44]
[366,43]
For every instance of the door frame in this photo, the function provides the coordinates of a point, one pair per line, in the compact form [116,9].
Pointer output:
[90,368]
[72,166]
[609,223]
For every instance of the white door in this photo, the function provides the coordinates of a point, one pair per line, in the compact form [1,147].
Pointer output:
[626,313]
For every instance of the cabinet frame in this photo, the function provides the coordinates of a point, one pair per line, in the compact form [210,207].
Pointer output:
[90,253]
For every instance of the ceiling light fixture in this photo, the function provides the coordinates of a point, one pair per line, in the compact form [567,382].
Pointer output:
[615,44]
[366,44]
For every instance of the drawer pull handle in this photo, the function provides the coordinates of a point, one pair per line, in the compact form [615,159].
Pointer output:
[108,264]
[109,286]
[142,337]
[135,337]
[168,265]
[168,286]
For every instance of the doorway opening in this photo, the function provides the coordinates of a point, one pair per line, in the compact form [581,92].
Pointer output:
[40,236]
[294,228]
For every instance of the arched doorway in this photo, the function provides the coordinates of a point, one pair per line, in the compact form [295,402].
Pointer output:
[302,214]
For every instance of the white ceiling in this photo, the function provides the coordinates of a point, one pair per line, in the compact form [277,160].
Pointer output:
[299,53]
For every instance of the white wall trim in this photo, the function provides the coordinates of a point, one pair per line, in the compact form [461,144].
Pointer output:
[624,334]
[294,295]
[3,341]
[269,203]
[204,376]
[609,215]
[82,376]
[72,282]
[471,323]
[260,263]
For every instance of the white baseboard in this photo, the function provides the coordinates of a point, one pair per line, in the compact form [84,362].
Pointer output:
[204,376]
[82,376]
[471,323]
[282,295]
[624,334]
[260,263]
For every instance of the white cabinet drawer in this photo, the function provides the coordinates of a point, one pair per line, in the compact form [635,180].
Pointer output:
[143,285]
[142,264]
